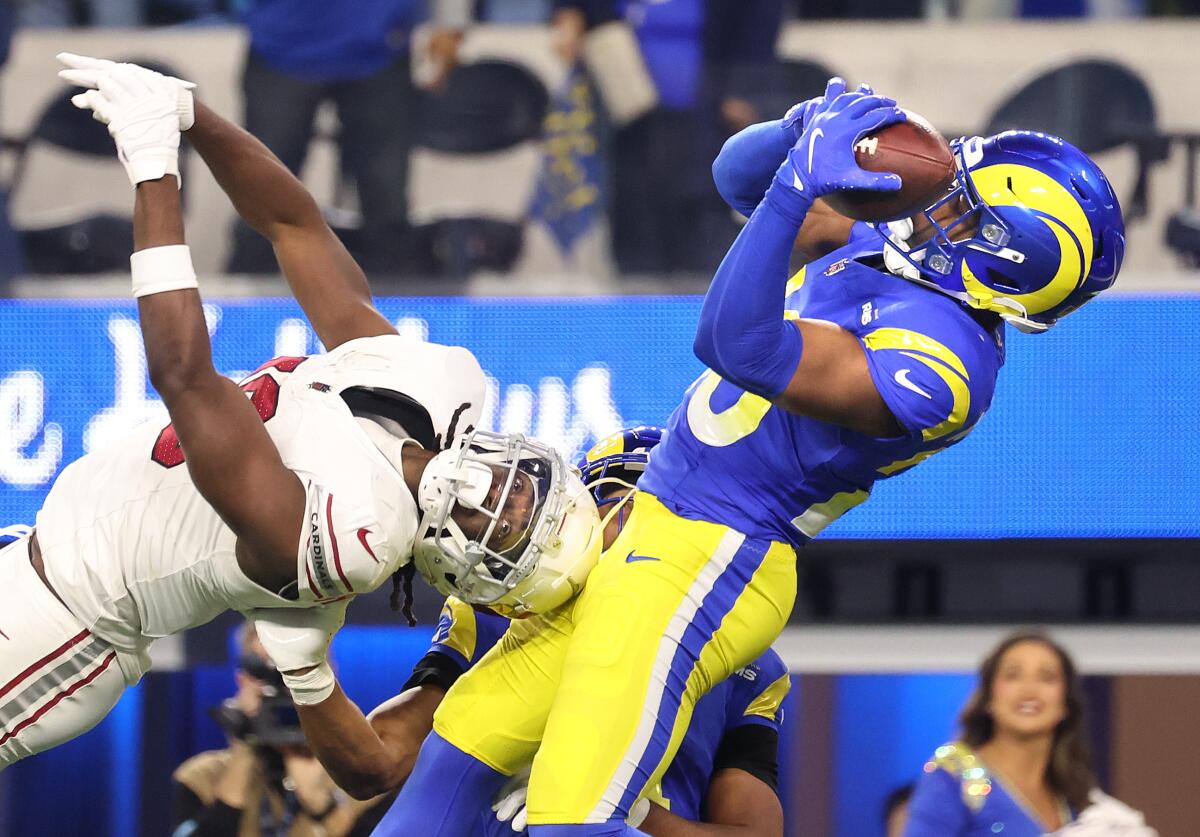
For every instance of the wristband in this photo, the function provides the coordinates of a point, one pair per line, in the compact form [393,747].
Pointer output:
[161,269]
[312,686]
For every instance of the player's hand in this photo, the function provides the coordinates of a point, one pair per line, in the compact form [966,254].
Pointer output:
[799,114]
[509,803]
[822,160]
[144,111]
[298,637]
[297,641]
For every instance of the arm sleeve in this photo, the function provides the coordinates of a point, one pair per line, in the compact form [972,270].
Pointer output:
[753,748]
[746,165]
[434,669]
[924,383]
[935,809]
[742,335]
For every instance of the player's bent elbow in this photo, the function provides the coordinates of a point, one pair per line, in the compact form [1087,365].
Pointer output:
[704,349]
[726,178]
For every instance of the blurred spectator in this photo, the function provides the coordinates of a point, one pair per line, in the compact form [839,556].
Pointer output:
[266,782]
[895,810]
[1022,765]
[665,212]
[61,13]
[305,52]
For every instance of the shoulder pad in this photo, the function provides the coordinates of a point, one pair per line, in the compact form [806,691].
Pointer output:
[437,390]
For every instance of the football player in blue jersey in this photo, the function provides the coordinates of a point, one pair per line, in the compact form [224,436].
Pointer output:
[867,362]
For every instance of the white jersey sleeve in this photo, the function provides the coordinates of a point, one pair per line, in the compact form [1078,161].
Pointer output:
[343,551]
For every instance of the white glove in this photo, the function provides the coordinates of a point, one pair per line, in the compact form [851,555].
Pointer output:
[298,638]
[144,111]
[509,803]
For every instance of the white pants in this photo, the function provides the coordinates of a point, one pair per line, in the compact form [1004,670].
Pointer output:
[57,679]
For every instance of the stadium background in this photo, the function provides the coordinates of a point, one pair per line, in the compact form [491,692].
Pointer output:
[1091,524]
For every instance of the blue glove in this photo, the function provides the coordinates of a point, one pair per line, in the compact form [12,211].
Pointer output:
[822,160]
[748,160]
[799,114]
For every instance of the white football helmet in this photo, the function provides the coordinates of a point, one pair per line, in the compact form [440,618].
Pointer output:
[505,523]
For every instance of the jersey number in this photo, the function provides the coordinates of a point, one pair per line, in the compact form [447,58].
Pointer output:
[731,424]
[264,395]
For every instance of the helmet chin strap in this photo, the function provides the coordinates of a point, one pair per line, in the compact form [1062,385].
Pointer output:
[618,505]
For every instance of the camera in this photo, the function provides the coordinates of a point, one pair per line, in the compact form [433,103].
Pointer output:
[276,725]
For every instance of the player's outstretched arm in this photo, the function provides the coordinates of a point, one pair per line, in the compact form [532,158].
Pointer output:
[807,368]
[229,455]
[230,458]
[327,282]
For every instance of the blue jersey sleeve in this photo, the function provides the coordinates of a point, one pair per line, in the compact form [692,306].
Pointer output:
[760,701]
[465,634]
[927,380]
[936,808]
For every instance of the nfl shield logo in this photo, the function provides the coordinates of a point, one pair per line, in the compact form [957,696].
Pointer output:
[837,267]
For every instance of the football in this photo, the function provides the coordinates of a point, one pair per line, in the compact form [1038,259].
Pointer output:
[913,150]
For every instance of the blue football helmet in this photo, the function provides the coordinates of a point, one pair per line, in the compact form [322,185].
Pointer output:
[622,456]
[1049,232]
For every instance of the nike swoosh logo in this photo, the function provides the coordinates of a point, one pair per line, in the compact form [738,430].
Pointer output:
[630,558]
[902,380]
[812,141]
[362,538]
[5,636]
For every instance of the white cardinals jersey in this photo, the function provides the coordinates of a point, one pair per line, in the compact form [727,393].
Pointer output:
[137,553]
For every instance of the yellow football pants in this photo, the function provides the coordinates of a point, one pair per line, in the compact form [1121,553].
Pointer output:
[600,692]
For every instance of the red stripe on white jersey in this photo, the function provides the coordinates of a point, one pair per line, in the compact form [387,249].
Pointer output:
[337,561]
[75,687]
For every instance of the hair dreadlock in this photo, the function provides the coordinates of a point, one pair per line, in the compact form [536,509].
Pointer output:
[402,580]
